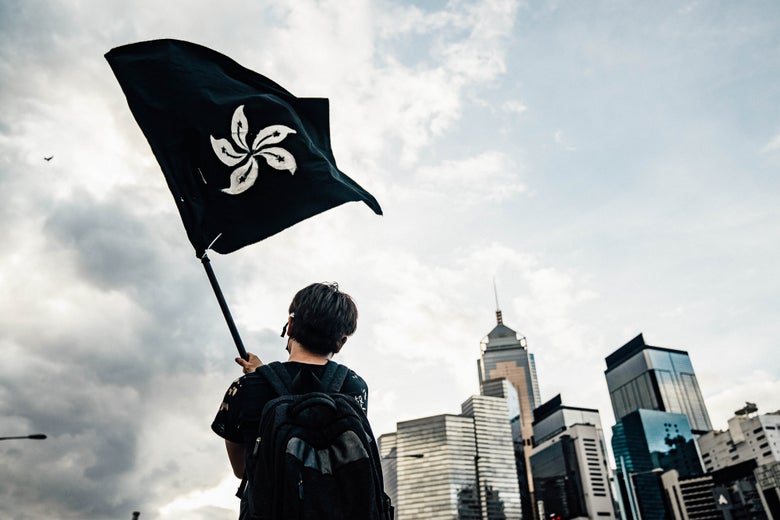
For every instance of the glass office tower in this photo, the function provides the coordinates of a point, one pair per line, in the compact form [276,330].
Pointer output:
[645,444]
[641,376]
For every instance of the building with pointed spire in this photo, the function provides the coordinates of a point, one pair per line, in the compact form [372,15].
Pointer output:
[505,355]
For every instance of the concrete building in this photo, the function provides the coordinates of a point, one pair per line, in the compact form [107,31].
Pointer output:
[749,437]
[690,498]
[768,480]
[736,456]
[434,469]
[495,457]
[503,388]
[569,460]
[454,466]
[736,493]
[641,376]
[389,454]
[505,355]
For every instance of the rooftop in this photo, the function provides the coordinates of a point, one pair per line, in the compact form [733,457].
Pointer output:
[632,348]
[546,409]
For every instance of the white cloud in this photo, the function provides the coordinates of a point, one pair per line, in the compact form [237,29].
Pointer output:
[515,106]
[772,145]
[420,102]
[759,386]
[217,498]
[563,141]
[488,177]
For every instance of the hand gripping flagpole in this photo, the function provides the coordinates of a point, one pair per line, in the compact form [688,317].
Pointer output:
[223,305]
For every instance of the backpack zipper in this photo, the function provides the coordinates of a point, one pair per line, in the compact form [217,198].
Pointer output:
[257,447]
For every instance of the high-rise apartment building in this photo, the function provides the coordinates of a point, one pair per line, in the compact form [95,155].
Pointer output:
[388,451]
[503,388]
[641,376]
[569,460]
[495,457]
[434,466]
[454,466]
[505,355]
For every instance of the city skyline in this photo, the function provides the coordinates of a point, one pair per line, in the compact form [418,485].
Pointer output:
[612,165]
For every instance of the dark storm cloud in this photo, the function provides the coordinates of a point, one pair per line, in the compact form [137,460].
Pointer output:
[118,247]
[86,382]
[90,449]
[115,249]
[92,380]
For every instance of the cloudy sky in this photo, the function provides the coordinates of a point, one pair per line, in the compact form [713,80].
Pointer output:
[613,165]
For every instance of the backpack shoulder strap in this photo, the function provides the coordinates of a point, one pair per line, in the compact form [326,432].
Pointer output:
[277,376]
[334,377]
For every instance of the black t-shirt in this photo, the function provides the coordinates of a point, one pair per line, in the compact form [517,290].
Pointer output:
[239,414]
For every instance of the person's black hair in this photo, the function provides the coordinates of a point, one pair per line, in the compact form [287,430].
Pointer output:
[322,317]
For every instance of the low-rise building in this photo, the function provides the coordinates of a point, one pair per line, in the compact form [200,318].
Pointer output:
[749,437]
[768,480]
[690,498]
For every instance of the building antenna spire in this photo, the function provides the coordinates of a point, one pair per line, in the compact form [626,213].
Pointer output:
[499,318]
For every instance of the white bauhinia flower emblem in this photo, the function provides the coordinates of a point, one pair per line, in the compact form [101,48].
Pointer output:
[245,175]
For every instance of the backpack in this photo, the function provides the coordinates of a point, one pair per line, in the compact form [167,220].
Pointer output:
[315,456]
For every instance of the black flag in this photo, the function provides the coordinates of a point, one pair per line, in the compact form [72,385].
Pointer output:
[242,156]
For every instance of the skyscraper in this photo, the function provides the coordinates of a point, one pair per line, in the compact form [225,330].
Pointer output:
[641,376]
[503,388]
[505,355]
[571,473]
[435,469]
[495,457]
[454,466]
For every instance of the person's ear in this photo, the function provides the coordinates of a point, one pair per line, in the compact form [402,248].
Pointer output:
[289,325]
[341,344]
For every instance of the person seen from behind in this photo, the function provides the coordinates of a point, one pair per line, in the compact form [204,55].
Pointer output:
[321,318]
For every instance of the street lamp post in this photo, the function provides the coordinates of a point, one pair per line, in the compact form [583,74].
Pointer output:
[36,436]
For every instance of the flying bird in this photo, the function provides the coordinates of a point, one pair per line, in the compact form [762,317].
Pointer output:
[49,158]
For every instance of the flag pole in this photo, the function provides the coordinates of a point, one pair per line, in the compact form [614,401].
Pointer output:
[223,305]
